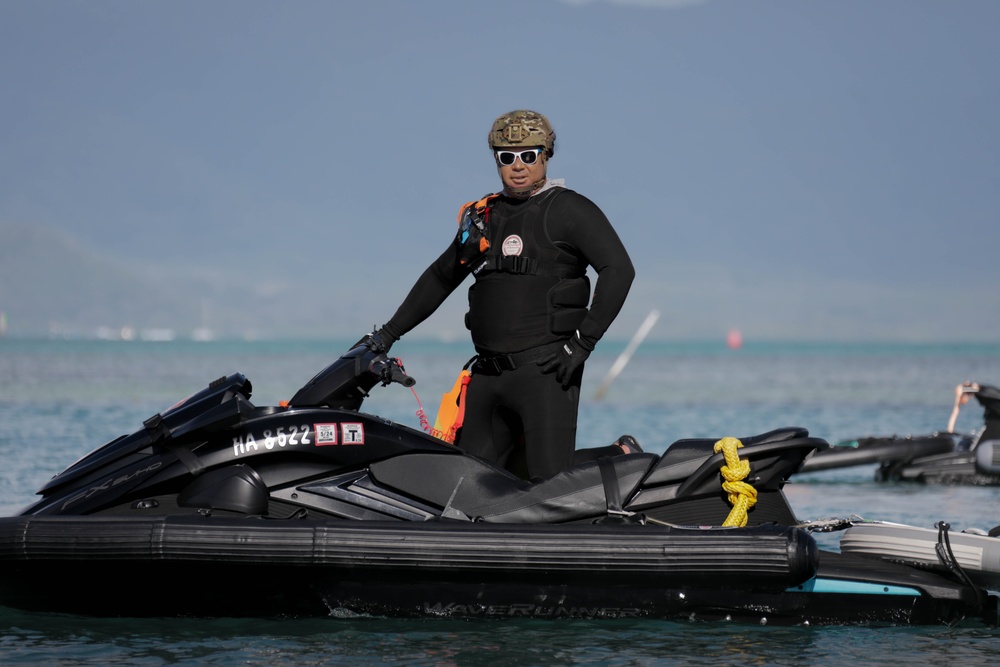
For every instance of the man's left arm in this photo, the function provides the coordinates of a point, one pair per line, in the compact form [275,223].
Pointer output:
[590,232]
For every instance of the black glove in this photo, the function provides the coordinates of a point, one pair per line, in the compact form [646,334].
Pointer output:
[378,341]
[565,361]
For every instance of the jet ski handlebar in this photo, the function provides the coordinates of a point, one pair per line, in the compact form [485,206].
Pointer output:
[345,382]
[389,370]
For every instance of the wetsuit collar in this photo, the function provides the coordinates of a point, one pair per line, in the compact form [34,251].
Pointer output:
[547,185]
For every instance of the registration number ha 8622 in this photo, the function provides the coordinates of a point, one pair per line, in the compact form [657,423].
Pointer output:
[268,439]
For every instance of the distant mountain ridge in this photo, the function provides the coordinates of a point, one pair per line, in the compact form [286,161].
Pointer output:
[51,284]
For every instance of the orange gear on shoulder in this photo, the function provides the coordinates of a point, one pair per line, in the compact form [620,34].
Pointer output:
[480,205]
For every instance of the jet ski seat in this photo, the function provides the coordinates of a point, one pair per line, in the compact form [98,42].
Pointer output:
[466,485]
[685,457]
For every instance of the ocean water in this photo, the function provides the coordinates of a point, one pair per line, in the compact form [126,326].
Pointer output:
[60,399]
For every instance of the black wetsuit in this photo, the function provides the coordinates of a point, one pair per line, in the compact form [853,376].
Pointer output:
[989,398]
[530,295]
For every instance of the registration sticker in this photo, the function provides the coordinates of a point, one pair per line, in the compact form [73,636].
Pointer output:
[326,434]
[353,433]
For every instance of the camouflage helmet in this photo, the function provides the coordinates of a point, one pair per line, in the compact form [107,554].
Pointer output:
[523,128]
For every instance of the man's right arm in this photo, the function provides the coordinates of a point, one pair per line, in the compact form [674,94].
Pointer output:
[433,286]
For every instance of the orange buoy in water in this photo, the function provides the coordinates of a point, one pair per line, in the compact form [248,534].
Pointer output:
[734,340]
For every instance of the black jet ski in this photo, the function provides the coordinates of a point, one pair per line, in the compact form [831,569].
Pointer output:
[219,507]
[936,458]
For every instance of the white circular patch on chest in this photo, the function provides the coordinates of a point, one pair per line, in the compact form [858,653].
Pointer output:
[512,245]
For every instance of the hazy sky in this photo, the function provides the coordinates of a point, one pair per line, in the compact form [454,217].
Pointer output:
[793,168]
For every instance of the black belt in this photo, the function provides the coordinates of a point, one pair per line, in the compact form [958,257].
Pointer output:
[495,364]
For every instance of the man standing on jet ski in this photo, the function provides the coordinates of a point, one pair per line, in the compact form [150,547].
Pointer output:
[531,316]
[989,397]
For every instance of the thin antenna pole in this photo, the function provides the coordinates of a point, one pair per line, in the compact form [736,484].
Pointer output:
[627,353]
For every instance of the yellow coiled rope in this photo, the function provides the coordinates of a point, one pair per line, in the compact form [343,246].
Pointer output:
[742,496]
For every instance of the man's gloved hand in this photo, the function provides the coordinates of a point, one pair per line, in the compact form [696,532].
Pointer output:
[378,341]
[565,361]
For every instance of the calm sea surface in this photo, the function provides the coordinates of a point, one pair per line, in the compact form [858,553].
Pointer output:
[61,399]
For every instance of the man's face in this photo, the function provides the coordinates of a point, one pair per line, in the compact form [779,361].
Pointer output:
[526,167]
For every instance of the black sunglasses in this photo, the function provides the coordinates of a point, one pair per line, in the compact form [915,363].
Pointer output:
[529,156]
